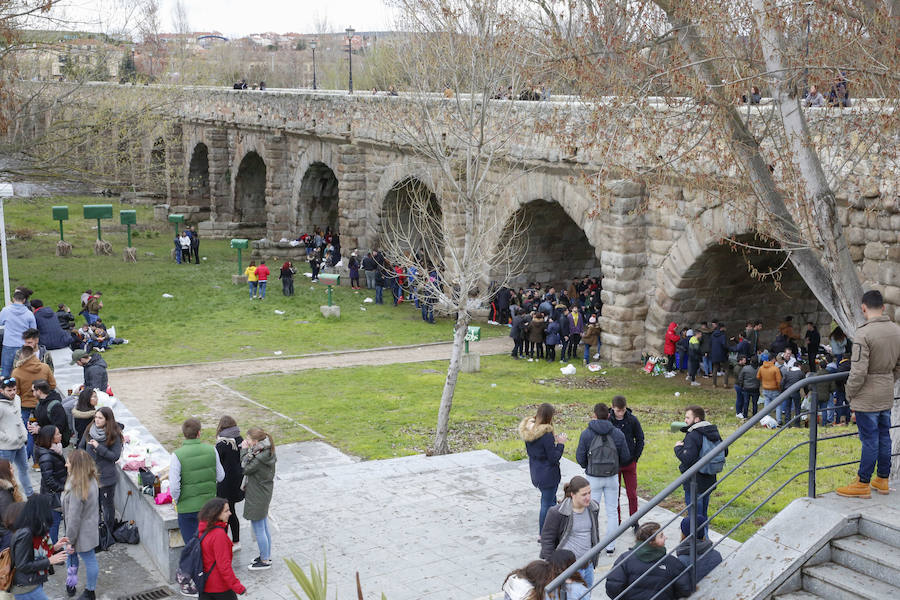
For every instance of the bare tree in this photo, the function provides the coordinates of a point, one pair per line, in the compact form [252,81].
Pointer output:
[183,29]
[462,141]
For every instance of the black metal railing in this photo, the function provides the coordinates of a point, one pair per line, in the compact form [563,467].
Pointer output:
[688,479]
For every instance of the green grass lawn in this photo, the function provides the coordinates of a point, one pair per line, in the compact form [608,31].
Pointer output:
[380,412]
[208,318]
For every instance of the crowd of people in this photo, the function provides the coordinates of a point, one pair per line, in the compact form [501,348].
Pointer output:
[608,450]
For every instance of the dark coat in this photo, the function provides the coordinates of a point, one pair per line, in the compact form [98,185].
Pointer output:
[29,571]
[53,471]
[718,348]
[597,427]
[708,558]
[53,336]
[558,526]
[95,375]
[543,453]
[536,330]
[83,420]
[56,416]
[747,379]
[743,348]
[689,452]
[552,333]
[105,457]
[517,331]
[230,457]
[629,567]
[634,433]
[259,468]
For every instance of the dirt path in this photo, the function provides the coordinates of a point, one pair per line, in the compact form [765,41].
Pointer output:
[161,396]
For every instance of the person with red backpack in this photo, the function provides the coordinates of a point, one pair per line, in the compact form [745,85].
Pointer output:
[221,581]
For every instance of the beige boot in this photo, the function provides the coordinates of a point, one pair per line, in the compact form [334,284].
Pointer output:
[880,484]
[857,489]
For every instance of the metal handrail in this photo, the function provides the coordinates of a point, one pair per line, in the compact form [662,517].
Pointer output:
[689,478]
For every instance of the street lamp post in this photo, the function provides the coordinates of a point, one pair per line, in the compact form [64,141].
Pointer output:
[312,45]
[350,32]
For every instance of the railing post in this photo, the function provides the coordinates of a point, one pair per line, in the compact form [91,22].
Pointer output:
[813,441]
[693,544]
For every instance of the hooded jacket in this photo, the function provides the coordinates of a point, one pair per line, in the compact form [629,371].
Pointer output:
[747,378]
[553,337]
[83,420]
[695,348]
[26,374]
[631,566]
[258,463]
[228,445]
[790,377]
[718,348]
[52,334]
[591,334]
[689,452]
[597,427]
[543,453]
[634,433]
[216,547]
[12,431]
[15,318]
[6,498]
[95,375]
[55,415]
[671,339]
[536,329]
[558,527]
[769,376]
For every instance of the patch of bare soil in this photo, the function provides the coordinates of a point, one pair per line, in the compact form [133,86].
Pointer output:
[593,382]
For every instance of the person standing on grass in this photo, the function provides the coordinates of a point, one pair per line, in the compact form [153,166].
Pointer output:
[262,276]
[252,280]
[874,368]
[228,447]
[81,508]
[218,553]
[194,472]
[769,377]
[601,451]
[258,462]
[103,442]
[669,348]
[688,452]
[16,318]
[13,435]
[544,449]
[195,244]
[287,279]
[749,385]
[370,267]
[624,420]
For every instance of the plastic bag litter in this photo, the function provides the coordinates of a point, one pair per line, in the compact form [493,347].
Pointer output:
[308,275]
[277,353]
[168,296]
[677,394]
[768,422]
[362,308]
[368,300]
[283,240]
[594,367]
[294,243]
[279,312]
[568,370]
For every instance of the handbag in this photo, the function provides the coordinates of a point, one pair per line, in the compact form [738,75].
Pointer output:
[126,532]
[146,477]
[106,538]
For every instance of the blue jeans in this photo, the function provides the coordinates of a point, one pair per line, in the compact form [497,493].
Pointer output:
[370,280]
[91,567]
[548,501]
[608,487]
[587,353]
[188,524]
[20,460]
[875,435]
[587,573]
[841,409]
[707,365]
[427,313]
[37,593]
[740,408]
[6,359]
[770,395]
[379,293]
[252,285]
[29,445]
[263,538]
[702,508]
[261,286]
[785,409]
[751,401]
[55,518]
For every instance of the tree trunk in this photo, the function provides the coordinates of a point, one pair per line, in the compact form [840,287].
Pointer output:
[441,444]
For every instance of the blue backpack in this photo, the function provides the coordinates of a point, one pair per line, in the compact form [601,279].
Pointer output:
[190,564]
[717,463]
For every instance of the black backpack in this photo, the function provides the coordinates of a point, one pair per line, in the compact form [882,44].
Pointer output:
[191,562]
[603,457]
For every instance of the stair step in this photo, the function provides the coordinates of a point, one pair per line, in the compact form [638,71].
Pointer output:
[836,582]
[870,557]
[799,595]
[885,527]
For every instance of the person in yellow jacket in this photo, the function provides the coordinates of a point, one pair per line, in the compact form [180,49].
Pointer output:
[252,279]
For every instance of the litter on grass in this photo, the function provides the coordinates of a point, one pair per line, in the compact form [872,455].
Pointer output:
[277,353]
[168,296]
[368,300]
[568,369]
[279,312]
[362,308]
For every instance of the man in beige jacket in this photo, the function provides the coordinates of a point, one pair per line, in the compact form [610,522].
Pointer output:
[874,366]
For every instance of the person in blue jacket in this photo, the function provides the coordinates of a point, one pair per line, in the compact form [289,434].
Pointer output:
[545,449]
[718,355]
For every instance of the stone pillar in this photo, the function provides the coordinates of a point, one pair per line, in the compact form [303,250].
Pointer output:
[278,198]
[221,198]
[176,179]
[351,176]
[623,258]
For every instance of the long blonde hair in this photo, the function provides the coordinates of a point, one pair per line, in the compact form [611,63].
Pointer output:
[82,474]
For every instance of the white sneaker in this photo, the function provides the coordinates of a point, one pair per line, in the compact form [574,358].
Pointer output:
[721,374]
[740,416]
[695,383]
[530,360]
[596,356]
[687,377]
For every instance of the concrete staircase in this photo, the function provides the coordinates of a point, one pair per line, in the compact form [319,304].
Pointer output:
[865,565]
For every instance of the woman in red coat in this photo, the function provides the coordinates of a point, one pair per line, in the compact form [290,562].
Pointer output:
[222,583]
[671,339]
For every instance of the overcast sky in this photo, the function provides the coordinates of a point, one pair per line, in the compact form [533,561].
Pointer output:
[238,17]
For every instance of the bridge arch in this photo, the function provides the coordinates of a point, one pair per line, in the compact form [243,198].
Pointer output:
[317,199]
[412,220]
[250,190]
[704,278]
[198,176]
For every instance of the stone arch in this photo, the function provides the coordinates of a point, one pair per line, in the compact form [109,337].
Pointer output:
[250,190]
[555,247]
[198,176]
[419,230]
[392,176]
[317,200]
[703,278]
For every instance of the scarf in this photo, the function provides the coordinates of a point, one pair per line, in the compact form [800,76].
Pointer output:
[650,554]
[98,434]
[254,451]
[227,435]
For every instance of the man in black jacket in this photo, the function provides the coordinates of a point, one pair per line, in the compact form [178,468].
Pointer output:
[565,331]
[624,420]
[689,452]
[635,575]
[94,366]
[49,411]
[517,333]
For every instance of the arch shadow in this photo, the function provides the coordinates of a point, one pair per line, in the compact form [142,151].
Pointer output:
[250,190]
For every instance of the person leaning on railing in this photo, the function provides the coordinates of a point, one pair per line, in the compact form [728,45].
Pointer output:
[874,367]
[627,579]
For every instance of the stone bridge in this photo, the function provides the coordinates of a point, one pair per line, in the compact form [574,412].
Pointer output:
[275,164]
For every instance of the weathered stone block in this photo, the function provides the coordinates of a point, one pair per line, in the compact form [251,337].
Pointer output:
[876,251]
[891,294]
[470,363]
[618,259]
[624,188]
[239,279]
[330,312]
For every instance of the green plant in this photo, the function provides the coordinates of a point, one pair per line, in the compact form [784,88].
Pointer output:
[314,585]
